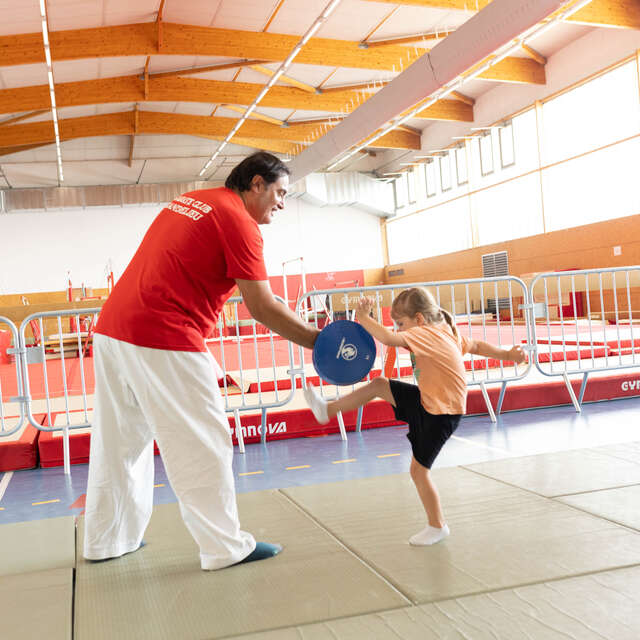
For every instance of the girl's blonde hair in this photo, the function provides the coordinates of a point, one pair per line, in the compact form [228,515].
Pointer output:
[417,300]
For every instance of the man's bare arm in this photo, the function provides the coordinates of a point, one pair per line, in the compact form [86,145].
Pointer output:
[264,308]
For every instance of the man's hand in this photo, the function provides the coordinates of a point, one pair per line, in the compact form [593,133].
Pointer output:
[516,354]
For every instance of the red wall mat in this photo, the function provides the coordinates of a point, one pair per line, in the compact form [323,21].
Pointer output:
[282,424]
[50,447]
[21,453]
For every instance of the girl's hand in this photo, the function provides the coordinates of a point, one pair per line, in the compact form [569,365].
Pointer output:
[516,354]
[364,306]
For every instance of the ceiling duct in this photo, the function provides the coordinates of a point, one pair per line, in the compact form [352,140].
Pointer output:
[490,29]
[348,188]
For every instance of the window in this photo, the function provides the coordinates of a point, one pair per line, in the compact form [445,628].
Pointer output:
[430,177]
[486,153]
[402,194]
[462,173]
[411,185]
[507,150]
[445,172]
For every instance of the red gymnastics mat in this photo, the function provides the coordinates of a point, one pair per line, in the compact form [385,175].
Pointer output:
[50,444]
[298,422]
[20,450]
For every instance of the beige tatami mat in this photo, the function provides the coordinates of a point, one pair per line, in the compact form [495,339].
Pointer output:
[620,505]
[36,578]
[38,545]
[37,604]
[160,591]
[501,536]
[564,472]
[603,606]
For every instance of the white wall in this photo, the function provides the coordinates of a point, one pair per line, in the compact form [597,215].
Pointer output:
[37,249]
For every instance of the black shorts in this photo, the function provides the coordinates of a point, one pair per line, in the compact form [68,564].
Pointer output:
[427,432]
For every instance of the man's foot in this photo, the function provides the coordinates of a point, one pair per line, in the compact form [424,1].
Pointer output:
[317,404]
[263,550]
[429,535]
[142,544]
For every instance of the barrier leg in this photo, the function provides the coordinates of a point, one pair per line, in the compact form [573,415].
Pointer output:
[567,382]
[503,388]
[583,387]
[239,436]
[65,450]
[487,401]
[343,432]
[263,422]
[359,422]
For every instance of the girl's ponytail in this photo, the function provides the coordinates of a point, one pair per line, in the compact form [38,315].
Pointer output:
[449,318]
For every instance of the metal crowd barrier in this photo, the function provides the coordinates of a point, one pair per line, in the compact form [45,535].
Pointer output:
[262,385]
[12,415]
[70,346]
[266,382]
[470,302]
[589,311]
[589,315]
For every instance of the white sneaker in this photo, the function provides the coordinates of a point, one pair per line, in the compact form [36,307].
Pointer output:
[429,535]
[317,404]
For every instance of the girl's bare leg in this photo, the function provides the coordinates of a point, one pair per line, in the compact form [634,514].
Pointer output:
[324,411]
[377,388]
[436,530]
[428,493]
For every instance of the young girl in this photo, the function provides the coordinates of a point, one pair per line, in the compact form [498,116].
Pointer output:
[433,408]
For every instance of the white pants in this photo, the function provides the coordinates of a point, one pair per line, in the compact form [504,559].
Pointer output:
[173,397]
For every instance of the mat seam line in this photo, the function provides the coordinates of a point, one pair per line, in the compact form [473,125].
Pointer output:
[345,546]
[595,515]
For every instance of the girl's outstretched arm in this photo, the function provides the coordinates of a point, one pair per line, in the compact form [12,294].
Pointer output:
[380,333]
[515,354]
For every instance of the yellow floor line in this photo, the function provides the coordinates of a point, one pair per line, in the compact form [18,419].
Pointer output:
[388,455]
[155,486]
[34,504]
[341,461]
[250,473]
[302,466]
[1,508]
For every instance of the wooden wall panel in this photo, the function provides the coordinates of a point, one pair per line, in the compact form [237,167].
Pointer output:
[586,247]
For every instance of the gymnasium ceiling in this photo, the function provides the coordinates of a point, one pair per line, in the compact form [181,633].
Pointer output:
[147,91]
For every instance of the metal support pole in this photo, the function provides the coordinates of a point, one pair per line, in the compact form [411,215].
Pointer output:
[239,436]
[487,401]
[567,382]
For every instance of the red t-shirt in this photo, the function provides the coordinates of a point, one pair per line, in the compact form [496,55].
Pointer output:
[172,291]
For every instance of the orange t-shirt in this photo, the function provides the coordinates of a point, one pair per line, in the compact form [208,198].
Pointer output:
[170,295]
[436,356]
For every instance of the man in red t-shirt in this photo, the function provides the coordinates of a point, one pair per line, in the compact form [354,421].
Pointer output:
[156,380]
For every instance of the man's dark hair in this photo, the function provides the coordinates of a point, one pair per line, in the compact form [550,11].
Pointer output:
[260,163]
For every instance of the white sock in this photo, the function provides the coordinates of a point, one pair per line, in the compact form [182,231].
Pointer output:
[429,535]
[317,404]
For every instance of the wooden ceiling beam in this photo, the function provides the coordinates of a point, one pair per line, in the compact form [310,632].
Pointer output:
[517,70]
[462,5]
[132,89]
[286,79]
[181,39]
[460,96]
[255,114]
[153,122]
[623,14]
[453,110]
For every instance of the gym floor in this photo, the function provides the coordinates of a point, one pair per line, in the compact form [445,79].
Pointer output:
[47,493]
